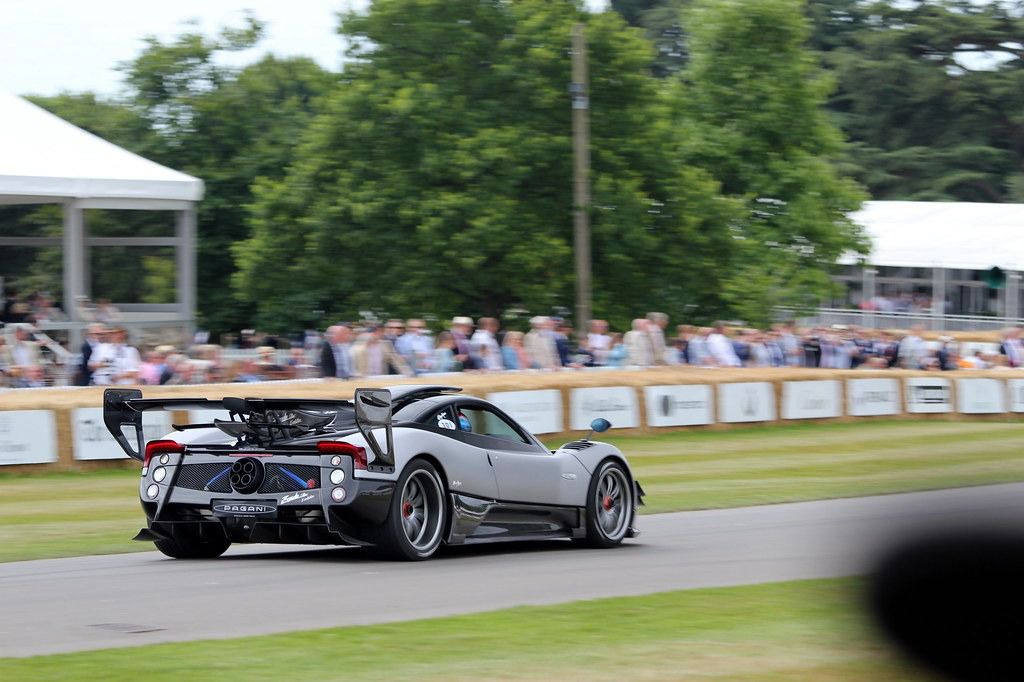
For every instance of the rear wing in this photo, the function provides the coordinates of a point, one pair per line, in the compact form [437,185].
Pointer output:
[123,407]
[118,413]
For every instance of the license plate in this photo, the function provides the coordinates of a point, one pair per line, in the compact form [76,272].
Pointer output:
[263,509]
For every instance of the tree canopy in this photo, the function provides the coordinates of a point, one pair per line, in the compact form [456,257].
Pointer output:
[929,93]
[433,175]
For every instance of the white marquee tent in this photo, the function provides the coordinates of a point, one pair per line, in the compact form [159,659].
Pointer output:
[950,235]
[44,159]
[944,246]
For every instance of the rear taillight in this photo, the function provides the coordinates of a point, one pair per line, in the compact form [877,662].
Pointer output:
[333,447]
[159,447]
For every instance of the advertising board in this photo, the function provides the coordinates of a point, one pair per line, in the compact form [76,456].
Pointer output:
[27,437]
[93,441]
[537,411]
[679,405]
[872,397]
[746,402]
[617,404]
[811,399]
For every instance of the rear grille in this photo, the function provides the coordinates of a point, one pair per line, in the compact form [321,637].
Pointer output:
[279,478]
[212,477]
[286,478]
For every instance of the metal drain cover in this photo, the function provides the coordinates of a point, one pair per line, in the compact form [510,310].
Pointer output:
[128,628]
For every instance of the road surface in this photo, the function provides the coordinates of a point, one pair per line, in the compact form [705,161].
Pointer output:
[93,602]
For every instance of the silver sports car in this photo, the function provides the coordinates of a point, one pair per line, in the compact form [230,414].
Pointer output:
[403,470]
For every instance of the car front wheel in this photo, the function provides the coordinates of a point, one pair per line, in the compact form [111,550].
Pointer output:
[609,505]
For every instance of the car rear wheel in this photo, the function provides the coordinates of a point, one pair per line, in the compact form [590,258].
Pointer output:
[609,505]
[186,543]
[416,520]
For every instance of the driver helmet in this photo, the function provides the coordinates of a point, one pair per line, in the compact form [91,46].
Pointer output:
[464,424]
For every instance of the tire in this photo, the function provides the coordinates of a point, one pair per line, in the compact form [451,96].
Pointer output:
[417,516]
[609,507]
[186,543]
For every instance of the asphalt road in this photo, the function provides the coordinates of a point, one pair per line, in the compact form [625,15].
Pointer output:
[94,602]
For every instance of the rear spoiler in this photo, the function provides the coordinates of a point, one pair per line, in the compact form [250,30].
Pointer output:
[117,413]
[124,407]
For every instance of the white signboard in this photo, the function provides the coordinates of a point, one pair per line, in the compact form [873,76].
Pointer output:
[617,404]
[27,437]
[537,411]
[93,441]
[1016,389]
[980,396]
[746,402]
[678,405]
[810,399]
[928,395]
[872,397]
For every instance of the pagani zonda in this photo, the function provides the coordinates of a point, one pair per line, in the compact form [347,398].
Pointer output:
[404,470]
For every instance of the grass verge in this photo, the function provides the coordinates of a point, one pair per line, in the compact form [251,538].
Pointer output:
[806,630]
[68,514]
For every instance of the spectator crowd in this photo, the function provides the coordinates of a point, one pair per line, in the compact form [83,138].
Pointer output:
[407,347]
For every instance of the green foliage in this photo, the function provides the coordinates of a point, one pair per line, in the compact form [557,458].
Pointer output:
[751,102]
[932,93]
[663,24]
[438,180]
[229,127]
[434,176]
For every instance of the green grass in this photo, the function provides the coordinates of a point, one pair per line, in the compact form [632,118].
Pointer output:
[53,515]
[806,630]
[709,469]
[69,514]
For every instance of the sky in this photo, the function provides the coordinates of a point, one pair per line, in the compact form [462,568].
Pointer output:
[50,46]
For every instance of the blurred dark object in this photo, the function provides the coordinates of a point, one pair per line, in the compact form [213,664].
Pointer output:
[955,602]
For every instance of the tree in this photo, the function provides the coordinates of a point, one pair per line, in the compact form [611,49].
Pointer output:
[752,111]
[229,127]
[663,24]
[438,179]
[931,94]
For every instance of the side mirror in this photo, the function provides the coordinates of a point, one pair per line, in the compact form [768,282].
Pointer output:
[373,410]
[599,425]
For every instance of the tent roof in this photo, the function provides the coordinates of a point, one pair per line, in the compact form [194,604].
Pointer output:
[953,235]
[44,156]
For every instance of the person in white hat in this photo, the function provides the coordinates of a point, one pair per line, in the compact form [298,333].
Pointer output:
[462,327]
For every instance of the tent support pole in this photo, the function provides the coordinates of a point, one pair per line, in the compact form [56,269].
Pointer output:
[185,256]
[1012,294]
[938,299]
[76,260]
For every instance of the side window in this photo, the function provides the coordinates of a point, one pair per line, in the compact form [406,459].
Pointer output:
[487,423]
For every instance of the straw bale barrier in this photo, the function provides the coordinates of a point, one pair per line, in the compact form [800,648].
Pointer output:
[63,402]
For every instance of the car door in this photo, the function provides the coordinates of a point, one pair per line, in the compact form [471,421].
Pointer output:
[525,471]
[467,465]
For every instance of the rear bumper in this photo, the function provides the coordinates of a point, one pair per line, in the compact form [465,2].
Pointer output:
[308,516]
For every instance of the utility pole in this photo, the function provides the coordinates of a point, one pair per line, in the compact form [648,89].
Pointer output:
[581,178]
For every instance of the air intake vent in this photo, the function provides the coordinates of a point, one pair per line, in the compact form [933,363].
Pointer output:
[577,445]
